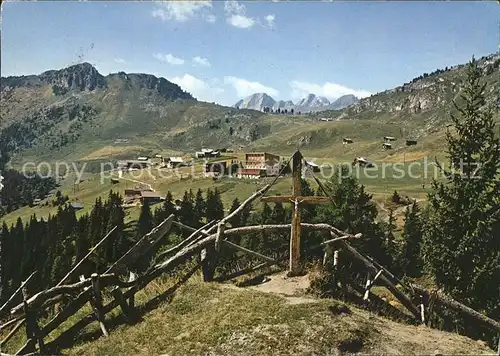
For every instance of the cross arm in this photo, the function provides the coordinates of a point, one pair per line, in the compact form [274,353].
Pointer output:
[301,199]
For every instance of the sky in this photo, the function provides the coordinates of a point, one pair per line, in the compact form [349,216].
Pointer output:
[222,51]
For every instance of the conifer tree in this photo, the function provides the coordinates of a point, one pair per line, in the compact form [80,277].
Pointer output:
[215,208]
[235,220]
[354,211]
[463,229]
[411,262]
[199,208]
[145,222]
[186,211]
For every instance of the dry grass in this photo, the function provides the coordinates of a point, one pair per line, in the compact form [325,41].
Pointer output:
[204,318]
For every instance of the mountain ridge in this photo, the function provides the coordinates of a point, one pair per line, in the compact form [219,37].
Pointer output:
[312,102]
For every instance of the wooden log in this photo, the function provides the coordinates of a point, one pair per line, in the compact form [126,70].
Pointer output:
[207,263]
[129,256]
[422,310]
[86,256]
[370,283]
[118,295]
[10,322]
[284,227]
[189,228]
[331,241]
[248,270]
[449,302]
[131,300]
[31,327]
[389,285]
[72,308]
[219,236]
[96,303]
[294,267]
[367,287]
[12,333]
[250,252]
[248,201]
[186,242]
[328,254]
[69,334]
[41,297]
[5,306]
[335,258]
[242,272]
[166,226]
[313,199]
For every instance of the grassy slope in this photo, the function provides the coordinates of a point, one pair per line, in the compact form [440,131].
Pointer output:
[210,319]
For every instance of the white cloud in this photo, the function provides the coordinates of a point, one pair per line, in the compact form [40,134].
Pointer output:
[270,20]
[168,58]
[240,21]
[244,87]
[200,89]
[180,10]
[236,15]
[329,90]
[201,61]
[120,60]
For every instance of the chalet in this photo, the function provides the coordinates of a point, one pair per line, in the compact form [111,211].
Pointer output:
[362,162]
[207,153]
[411,142]
[173,162]
[215,169]
[115,180]
[125,165]
[389,138]
[346,140]
[313,166]
[268,162]
[76,205]
[37,201]
[148,197]
[386,146]
[250,173]
[132,195]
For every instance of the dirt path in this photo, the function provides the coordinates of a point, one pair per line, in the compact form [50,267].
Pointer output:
[293,289]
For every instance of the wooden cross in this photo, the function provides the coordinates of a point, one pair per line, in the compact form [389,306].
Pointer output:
[296,198]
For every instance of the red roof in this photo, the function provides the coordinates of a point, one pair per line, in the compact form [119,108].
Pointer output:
[249,171]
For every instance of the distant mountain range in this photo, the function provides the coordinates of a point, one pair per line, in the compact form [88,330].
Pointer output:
[259,101]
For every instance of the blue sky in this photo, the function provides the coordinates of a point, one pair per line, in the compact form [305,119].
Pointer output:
[224,50]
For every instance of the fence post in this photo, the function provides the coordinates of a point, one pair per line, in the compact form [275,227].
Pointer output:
[131,301]
[96,302]
[32,331]
[118,295]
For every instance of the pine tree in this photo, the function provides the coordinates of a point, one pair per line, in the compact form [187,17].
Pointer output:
[354,211]
[199,208]
[145,222]
[463,227]
[186,211]
[235,220]
[215,208]
[411,262]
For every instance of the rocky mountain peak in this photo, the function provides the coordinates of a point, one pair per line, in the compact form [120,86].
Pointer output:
[82,76]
